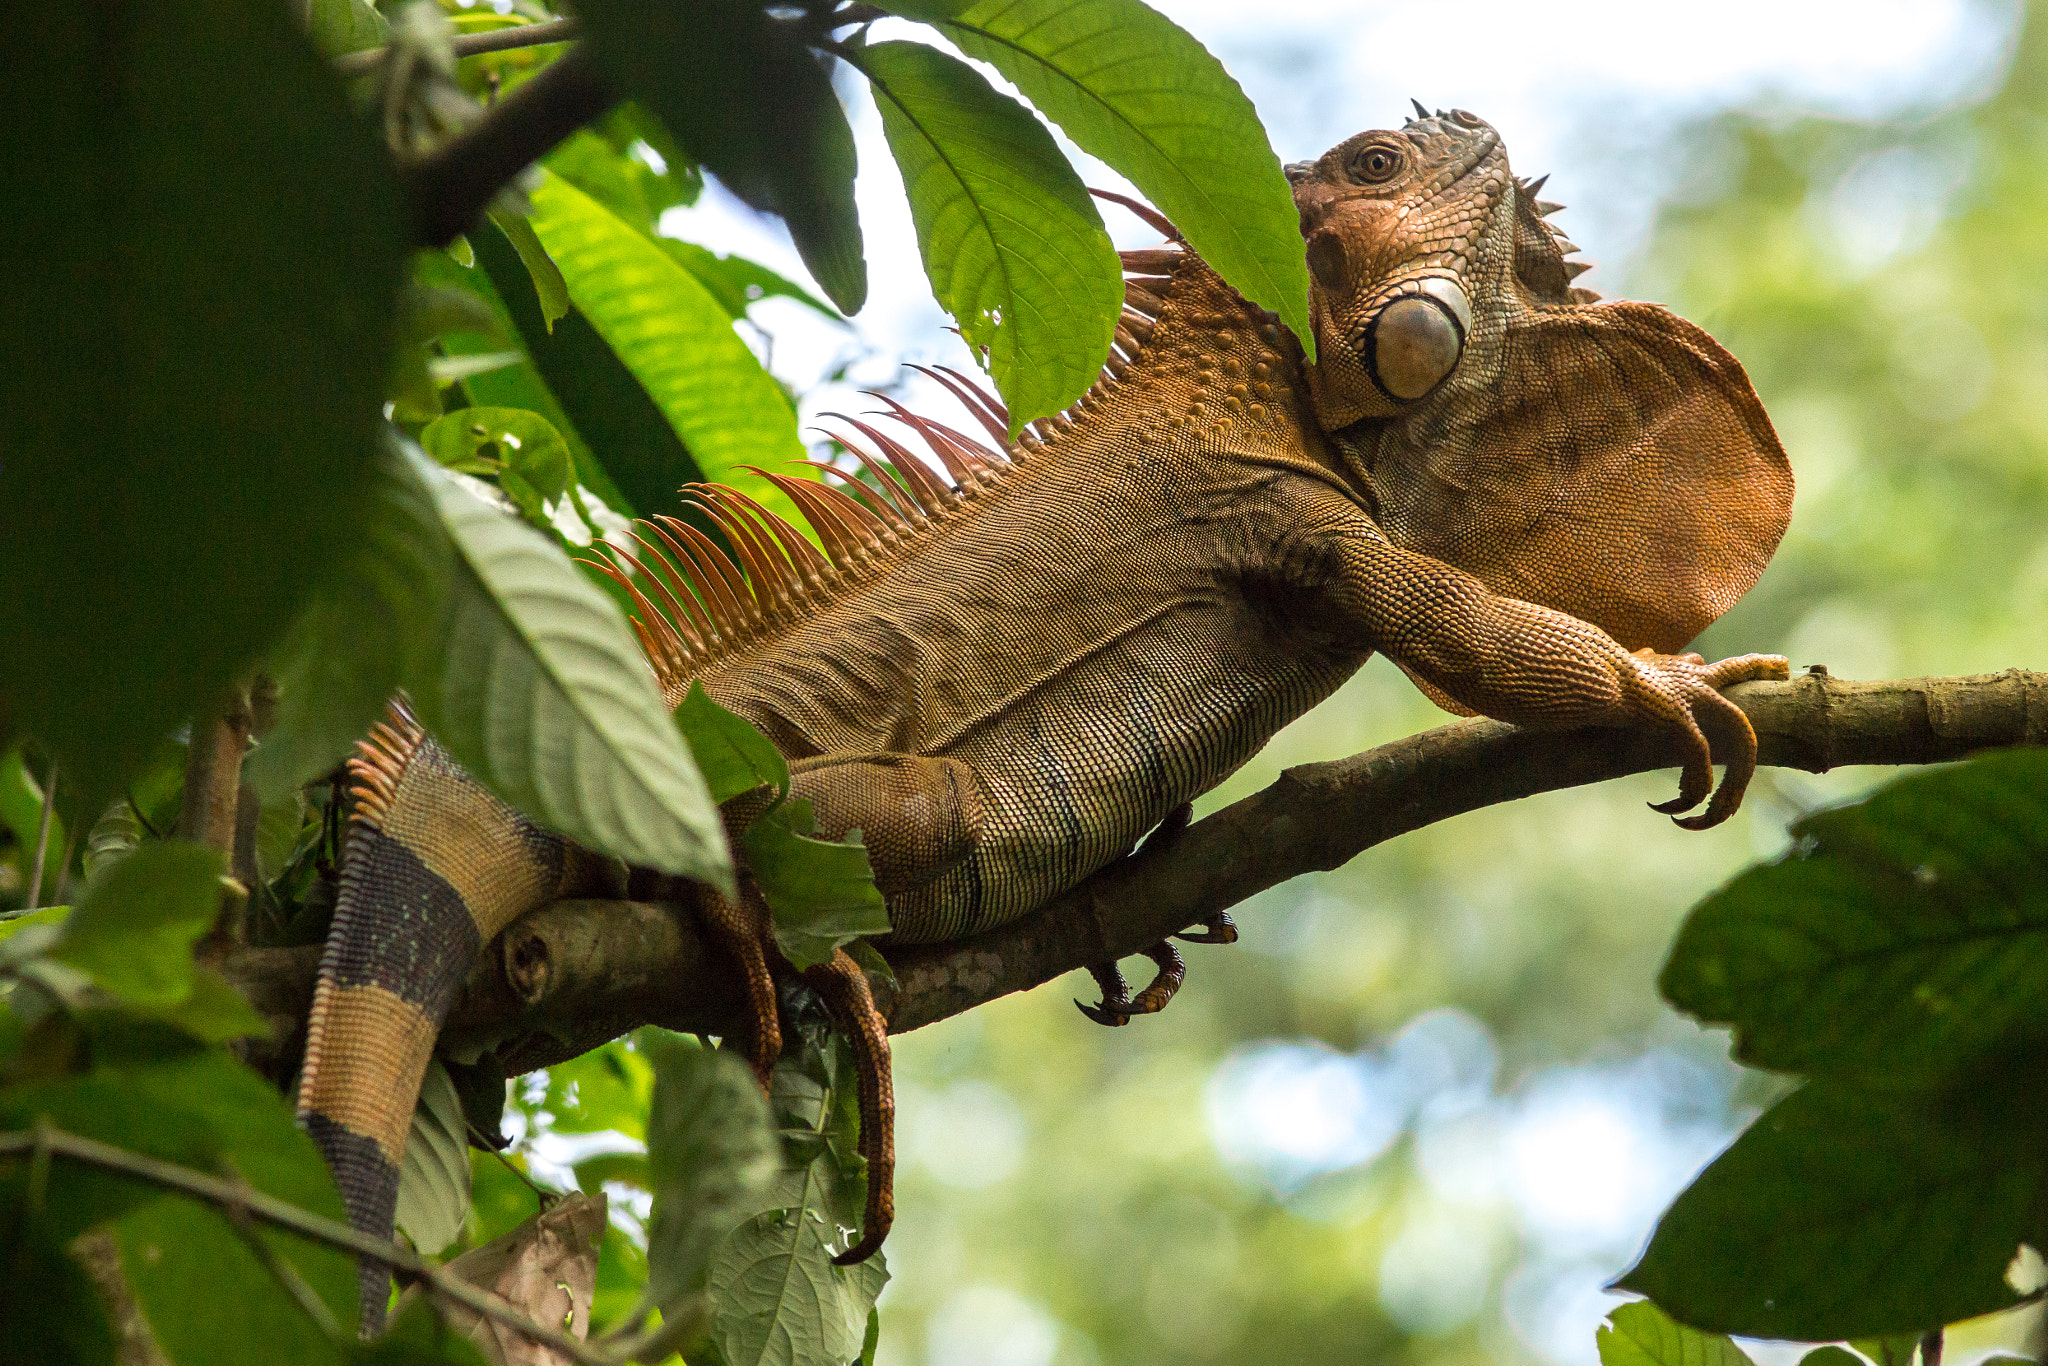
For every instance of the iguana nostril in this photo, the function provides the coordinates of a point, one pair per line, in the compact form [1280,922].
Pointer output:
[1415,344]
[1326,261]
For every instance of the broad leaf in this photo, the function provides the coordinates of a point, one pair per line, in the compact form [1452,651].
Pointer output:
[233,337]
[738,283]
[1133,88]
[1014,247]
[208,1298]
[433,1181]
[745,95]
[371,621]
[710,1147]
[1900,937]
[731,753]
[1644,1335]
[777,1300]
[540,691]
[340,26]
[21,811]
[135,928]
[1842,1213]
[549,288]
[522,449]
[822,892]
[675,338]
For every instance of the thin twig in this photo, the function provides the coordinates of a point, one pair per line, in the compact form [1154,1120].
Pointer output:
[231,1195]
[353,64]
[35,876]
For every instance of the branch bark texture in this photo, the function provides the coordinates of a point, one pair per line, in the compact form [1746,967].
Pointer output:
[572,975]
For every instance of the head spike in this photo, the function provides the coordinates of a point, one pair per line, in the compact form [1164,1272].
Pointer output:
[1533,187]
[1574,269]
[1547,207]
[1420,112]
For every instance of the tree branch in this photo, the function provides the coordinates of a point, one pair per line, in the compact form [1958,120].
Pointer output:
[447,190]
[570,976]
[353,64]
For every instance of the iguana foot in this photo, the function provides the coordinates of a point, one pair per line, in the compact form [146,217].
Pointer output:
[746,930]
[1683,691]
[1118,1005]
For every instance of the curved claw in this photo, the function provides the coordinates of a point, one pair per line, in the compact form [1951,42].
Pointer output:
[1102,1015]
[1116,994]
[1216,929]
[1704,701]
[1741,766]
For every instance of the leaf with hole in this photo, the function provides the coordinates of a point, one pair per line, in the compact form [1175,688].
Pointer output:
[539,690]
[1011,241]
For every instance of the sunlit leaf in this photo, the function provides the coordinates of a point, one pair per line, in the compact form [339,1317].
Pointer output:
[731,753]
[1133,88]
[540,691]
[1011,241]
[822,892]
[1644,1335]
[777,1300]
[522,449]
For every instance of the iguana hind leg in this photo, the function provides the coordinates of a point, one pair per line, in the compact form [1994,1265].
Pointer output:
[1117,1005]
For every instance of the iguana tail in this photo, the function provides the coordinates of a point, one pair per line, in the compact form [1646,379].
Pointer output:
[435,867]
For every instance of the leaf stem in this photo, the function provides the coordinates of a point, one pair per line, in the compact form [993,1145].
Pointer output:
[353,64]
[35,876]
[237,1195]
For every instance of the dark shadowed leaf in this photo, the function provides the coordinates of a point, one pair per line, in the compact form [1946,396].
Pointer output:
[1133,88]
[1842,1213]
[416,1337]
[1011,241]
[340,26]
[822,892]
[540,691]
[52,1312]
[1644,1335]
[1831,1355]
[1901,937]
[135,927]
[711,1147]
[208,1298]
[343,656]
[747,98]
[731,753]
[234,337]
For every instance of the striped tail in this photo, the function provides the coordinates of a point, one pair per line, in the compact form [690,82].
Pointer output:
[435,867]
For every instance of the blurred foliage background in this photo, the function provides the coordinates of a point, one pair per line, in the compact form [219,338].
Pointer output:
[1431,1103]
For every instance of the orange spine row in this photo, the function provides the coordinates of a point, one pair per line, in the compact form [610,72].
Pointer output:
[379,761]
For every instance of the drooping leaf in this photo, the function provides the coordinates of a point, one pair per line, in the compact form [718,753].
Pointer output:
[822,892]
[153,539]
[548,286]
[1641,1334]
[1849,1213]
[367,625]
[546,1268]
[433,1180]
[737,282]
[135,928]
[676,340]
[1133,88]
[540,691]
[1013,245]
[1900,937]
[731,753]
[710,1147]
[746,97]
[777,1300]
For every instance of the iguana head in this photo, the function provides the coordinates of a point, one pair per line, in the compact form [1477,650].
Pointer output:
[1606,459]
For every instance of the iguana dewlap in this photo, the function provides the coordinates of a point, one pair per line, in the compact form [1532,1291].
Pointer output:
[1006,678]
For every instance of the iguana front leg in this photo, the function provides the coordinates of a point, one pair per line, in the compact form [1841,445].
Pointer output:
[1530,665]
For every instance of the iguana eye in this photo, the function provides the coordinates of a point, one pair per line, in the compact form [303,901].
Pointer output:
[1417,339]
[1375,164]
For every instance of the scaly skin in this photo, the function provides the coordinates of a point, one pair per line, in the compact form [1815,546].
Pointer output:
[1528,501]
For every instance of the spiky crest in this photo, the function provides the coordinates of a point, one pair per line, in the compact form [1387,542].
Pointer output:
[1543,254]
[695,601]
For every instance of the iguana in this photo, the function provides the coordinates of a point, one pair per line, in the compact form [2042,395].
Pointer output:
[1006,677]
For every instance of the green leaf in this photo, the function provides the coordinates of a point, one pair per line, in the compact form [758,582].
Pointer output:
[548,286]
[822,892]
[1133,88]
[777,1300]
[873,1338]
[416,1337]
[1899,939]
[1831,1355]
[369,624]
[21,811]
[234,340]
[738,283]
[675,339]
[539,690]
[153,1092]
[710,1147]
[1011,241]
[731,753]
[340,26]
[211,1012]
[745,95]
[1842,1213]
[608,1088]
[51,1308]
[1644,1335]
[135,928]
[433,1180]
[522,448]
[1894,1350]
